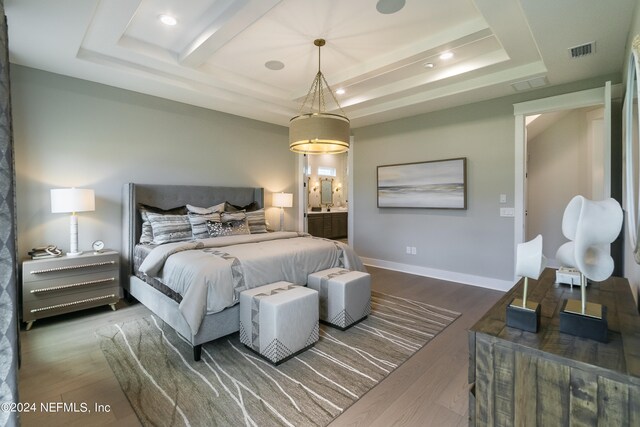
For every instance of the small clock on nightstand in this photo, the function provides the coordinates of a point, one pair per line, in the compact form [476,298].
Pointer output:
[98,246]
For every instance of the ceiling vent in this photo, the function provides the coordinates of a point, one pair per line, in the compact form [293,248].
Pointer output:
[534,83]
[582,50]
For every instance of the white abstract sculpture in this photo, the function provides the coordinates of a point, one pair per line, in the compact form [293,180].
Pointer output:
[590,226]
[530,262]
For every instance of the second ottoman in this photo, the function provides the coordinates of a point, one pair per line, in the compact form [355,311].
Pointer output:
[345,296]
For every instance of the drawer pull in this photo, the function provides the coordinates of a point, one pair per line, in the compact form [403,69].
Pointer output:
[72,267]
[69,304]
[72,285]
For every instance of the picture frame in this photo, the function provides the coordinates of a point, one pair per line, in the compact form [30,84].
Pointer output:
[433,184]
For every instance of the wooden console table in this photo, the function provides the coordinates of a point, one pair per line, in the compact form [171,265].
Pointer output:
[520,378]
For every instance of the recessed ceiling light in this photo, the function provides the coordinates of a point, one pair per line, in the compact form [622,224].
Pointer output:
[340,91]
[428,65]
[168,20]
[446,55]
[387,7]
[274,65]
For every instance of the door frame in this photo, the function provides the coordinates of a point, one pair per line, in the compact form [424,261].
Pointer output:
[592,97]
[302,191]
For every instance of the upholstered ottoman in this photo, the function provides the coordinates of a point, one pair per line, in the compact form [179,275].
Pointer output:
[345,296]
[279,320]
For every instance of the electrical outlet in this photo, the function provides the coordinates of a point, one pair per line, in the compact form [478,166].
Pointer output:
[413,250]
[508,212]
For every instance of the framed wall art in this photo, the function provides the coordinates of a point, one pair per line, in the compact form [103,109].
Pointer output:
[437,184]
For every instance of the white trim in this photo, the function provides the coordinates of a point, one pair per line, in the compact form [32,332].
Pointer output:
[608,93]
[351,194]
[519,195]
[568,101]
[301,192]
[451,276]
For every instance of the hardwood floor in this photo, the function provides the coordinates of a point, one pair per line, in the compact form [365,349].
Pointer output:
[62,362]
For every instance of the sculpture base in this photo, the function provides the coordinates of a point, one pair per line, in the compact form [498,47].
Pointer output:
[584,325]
[526,318]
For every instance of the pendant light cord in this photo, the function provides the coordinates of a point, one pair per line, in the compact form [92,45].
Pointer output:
[317,89]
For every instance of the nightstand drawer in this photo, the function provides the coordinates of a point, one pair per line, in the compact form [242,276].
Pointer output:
[66,267]
[65,304]
[43,289]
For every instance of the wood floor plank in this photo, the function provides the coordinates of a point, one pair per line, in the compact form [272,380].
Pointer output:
[62,362]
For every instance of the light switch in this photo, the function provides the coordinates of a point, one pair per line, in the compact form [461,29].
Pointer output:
[503,198]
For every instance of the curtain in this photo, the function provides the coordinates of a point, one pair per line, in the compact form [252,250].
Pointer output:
[8,264]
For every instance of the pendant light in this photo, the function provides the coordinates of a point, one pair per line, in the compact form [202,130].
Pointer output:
[318,132]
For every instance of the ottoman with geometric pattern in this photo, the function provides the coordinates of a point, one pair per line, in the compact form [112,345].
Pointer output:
[345,296]
[279,320]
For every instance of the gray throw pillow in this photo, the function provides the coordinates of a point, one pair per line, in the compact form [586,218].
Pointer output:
[169,228]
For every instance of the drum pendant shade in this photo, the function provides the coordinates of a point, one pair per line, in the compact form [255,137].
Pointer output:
[319,132]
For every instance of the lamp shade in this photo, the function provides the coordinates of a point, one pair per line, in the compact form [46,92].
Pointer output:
[529,259]
[591,225]
[282,200]
[72,200]
[319,133]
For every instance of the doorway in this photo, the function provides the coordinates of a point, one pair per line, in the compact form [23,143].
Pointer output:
[599,98]
[564,151]
[325,187]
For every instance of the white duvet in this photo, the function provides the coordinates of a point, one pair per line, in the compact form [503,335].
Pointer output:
[211,273]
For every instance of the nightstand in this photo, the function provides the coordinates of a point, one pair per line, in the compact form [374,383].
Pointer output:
[55,286]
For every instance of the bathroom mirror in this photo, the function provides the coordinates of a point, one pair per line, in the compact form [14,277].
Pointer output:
[326,191]
[631,150]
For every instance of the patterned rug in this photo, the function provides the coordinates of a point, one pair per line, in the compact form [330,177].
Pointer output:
[232,386]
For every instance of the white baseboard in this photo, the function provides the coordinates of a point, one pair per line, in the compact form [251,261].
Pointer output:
[451,276]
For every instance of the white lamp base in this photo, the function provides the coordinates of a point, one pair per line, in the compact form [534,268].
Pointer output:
[73,234]
[281,219]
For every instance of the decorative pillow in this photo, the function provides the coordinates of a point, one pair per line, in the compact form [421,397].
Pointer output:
[169,228]
[198,222]
[228,228]
[147,232]
[146,237]
[253,206]
[257,221]
[233,216]
[203,211]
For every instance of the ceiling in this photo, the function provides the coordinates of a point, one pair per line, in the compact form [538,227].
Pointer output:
[216,55]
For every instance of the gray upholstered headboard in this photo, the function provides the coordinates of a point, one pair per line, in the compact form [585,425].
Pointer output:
[170,196]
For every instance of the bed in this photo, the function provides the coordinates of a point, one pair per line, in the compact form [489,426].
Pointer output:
[194,310]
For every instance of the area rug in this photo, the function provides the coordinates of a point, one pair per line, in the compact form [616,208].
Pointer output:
[232,386]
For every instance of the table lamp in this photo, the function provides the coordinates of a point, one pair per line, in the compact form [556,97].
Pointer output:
[282,200]
[530,263]
[590,226]
[65,200]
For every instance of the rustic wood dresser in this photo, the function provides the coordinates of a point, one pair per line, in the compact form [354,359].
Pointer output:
[519,378]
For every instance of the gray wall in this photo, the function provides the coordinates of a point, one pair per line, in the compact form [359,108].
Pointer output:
[70,132]
[473,246]
[558,166]
[476,241]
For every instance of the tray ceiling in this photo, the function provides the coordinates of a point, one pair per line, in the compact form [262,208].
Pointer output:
[216,55]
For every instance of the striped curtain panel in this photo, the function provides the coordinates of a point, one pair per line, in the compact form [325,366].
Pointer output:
[8,265]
